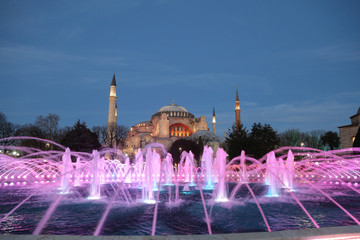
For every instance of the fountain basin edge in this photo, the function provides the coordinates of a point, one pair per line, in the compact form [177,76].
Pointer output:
[342,232]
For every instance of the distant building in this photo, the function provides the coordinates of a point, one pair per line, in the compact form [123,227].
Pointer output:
[348,132]
[168,124]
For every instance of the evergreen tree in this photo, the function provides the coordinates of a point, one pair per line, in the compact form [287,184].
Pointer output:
[81,139]
[262,139]
[331,139]
[236,141]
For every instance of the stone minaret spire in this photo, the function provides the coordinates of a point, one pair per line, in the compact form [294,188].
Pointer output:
[112,118]
[214,121]
[237,110]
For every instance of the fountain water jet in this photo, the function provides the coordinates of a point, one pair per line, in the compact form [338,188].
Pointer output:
[220,164]
[96,176]
[67,169]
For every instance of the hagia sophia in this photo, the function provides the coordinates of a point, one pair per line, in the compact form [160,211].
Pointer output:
[169,123]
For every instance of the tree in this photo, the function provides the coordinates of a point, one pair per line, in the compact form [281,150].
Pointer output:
[185,145]
[49,125]
[31,130]
[262,139]
[62,132]
[357,139]
[313,139]
[331,139]
[292,137]
[81,139]
[107,138]
[7,129]
[295,138]
[236,141]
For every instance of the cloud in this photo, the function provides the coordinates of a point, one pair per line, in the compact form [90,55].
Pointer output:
[37,61]
[349,94]
[246,83]
[29,53]
[308,111]
[19,53]
[340,52]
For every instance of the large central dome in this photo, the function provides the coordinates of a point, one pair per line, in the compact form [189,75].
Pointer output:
[173,108]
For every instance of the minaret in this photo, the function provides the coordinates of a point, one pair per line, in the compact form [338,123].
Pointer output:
[214,121]
[237,111]
[112,118]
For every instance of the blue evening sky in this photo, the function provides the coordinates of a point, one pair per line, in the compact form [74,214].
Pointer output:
[296,63]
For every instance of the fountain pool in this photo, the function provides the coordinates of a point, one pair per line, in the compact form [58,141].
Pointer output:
[65,192]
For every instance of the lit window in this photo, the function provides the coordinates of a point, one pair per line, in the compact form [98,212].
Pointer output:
[353,139]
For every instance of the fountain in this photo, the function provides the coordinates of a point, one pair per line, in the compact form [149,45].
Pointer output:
[289,188]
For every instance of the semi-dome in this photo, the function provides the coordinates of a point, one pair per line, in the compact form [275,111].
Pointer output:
[205,136]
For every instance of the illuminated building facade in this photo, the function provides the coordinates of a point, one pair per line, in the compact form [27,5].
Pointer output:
[168,124]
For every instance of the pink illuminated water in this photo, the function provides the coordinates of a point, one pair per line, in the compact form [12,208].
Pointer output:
[284,173]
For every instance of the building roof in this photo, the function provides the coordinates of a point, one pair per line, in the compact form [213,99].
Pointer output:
[113,82]
[358,112]
[173,108]
[350,125]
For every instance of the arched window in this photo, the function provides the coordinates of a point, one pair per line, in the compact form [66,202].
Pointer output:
[180,130]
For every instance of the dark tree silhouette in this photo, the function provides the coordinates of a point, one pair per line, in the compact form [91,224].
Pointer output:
[357,138]
[115,134]
[31,130]
[185,145]
[236,141]
[292,137]
[7,129]
[332,139]
[81,139]
[262,139]
[49,125]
